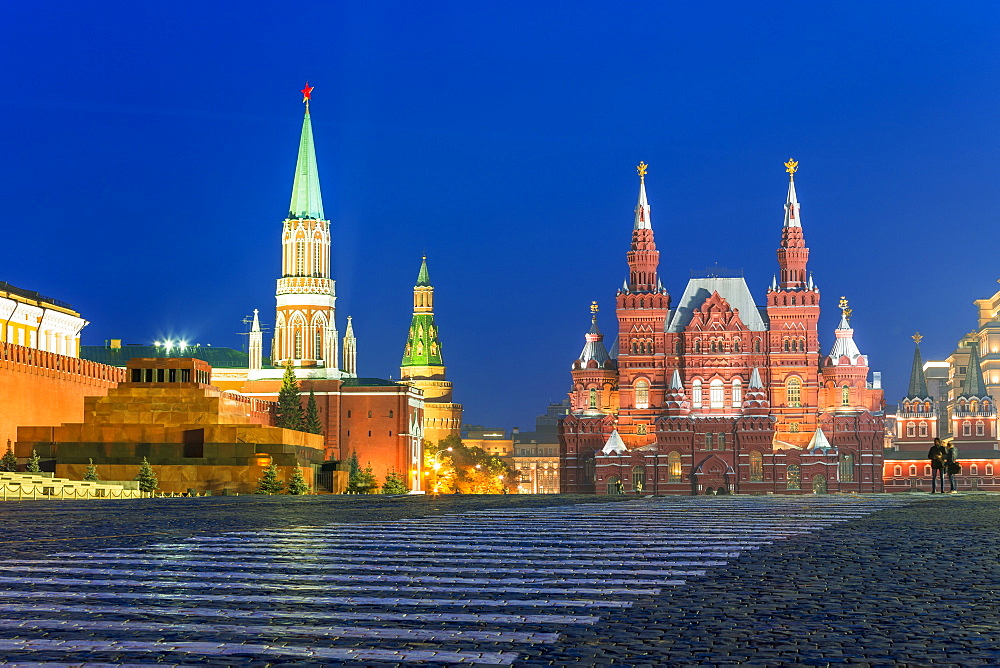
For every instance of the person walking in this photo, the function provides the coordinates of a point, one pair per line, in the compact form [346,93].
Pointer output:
[936,455]
[951,465]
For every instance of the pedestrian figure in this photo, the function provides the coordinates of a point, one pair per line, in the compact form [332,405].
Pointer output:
[936,455]
[620,487]
[638,487]
[951,465]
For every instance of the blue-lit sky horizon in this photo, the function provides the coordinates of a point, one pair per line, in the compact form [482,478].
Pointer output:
[149,150]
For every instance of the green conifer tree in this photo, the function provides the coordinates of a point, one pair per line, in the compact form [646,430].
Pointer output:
[289,404]
[147,479]
[312,422]
[34,463]
[91,473]
[297,485]
[9,460]
[367,482]
[394,483]
[270,483]
[354,469]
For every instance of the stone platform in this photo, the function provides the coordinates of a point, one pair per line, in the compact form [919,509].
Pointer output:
[516,580]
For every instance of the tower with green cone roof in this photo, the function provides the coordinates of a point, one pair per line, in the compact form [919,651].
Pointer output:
[423,364]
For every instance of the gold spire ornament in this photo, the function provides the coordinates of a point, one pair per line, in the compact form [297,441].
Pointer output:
[641,168]
[791,166]
[843,302]
[594,308]
[917,338]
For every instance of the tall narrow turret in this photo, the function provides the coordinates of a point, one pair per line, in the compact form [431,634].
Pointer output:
[643,258]
[256,343]
[423,364]
[792,253]
[305,329]
[350,349]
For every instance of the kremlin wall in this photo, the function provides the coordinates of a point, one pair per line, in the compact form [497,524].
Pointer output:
[712,392]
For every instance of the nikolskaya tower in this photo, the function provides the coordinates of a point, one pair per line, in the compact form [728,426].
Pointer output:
[305,327]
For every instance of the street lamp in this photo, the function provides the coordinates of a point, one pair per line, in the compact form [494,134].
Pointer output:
[436,465]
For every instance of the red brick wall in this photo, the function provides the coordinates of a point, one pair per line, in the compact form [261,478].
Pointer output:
[39,388]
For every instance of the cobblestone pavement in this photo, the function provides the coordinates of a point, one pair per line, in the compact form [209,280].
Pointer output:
[875,580]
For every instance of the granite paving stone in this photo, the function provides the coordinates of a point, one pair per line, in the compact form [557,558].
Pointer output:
[563,580]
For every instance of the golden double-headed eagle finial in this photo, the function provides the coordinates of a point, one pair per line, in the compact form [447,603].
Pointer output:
[791,166]
[641,168]
[917,338]
[843,302]
[594,308]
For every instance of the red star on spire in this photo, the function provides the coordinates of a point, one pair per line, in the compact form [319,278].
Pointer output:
[307,92]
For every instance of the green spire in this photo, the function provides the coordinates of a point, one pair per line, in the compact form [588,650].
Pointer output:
[974,385]
[307,200]
[423,278]
[423,347]
[918,383]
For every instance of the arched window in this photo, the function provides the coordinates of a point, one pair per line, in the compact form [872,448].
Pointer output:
[390,412]
[980,428]
[319,343]
[897,471]
[674,466]
[736,345]
[716,394]
[973,406]
[348,413]
[298,344]
[910,431]
[923,429]
[638,478]
[720,441]
[756,345]
[300,257]
[794,475]
[973,469]
[677,347]
[696,394]
[966,428]
[642,393]
[913,471]
[613,484]
[784,344]
[846,471]
[989,469]
[593,398]
[756,466]
[845,396]
[369,413]
[793,392]
[927,469]
[737,392]
[697,345]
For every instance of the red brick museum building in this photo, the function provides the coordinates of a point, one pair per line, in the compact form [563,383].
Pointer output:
[712,393]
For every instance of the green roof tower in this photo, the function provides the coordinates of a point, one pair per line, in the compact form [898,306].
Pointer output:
[423,364]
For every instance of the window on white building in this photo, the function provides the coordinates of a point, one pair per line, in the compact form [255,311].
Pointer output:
[716,394]
[696,398]
[737,392]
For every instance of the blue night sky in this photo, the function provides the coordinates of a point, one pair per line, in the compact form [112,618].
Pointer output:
[149,147]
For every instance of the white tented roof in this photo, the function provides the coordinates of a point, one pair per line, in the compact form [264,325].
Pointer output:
[733,290]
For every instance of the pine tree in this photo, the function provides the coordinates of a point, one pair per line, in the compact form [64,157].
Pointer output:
[91,474]
[367,483]
[297,485]
[35,463]
[289,404]
[394,483]
[312,422]
[354,469]
[270,483]
[9,460]
[147,479]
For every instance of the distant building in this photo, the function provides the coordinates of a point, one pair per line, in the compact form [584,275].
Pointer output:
[951,400]
[495,442]
[716,394]
[34,321]
[536,453]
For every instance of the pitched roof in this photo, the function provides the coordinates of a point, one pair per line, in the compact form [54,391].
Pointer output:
[974,385]
[918,382]
[734,290]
